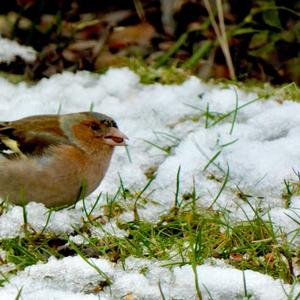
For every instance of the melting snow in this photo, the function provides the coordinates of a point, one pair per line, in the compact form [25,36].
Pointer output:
[259,151]
[10,49]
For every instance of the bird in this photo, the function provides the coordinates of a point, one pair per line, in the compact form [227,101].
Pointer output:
[52,159]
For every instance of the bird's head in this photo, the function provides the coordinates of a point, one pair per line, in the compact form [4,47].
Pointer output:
[91,129]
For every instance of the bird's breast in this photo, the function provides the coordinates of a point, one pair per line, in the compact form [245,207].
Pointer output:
[96,167]
[54,178]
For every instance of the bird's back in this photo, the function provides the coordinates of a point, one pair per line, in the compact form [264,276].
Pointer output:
[31,135]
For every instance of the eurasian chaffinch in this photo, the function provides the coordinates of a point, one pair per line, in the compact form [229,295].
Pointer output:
[51,158]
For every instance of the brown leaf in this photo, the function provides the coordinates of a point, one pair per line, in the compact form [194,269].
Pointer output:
[236,257]
[140,34]
[269,257]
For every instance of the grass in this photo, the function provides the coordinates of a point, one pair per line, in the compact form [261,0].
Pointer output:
[173,74]
[220,31]
[163,74]
[186,234]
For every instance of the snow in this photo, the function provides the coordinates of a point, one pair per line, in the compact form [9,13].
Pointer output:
[49,281]
[9,50]
[11,223]
[260,152]
[110,228]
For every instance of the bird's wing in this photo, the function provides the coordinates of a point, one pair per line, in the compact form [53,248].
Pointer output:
[30,136]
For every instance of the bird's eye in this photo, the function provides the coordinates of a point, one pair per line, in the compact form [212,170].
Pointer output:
[109,123]
[95,126]
[114,124]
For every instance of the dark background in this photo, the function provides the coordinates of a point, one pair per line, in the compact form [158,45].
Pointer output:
[263,36]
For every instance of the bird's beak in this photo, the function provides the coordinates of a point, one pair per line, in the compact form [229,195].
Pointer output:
[115,137]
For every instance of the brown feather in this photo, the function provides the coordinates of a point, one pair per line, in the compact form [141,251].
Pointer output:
[47,132]
[51,157]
